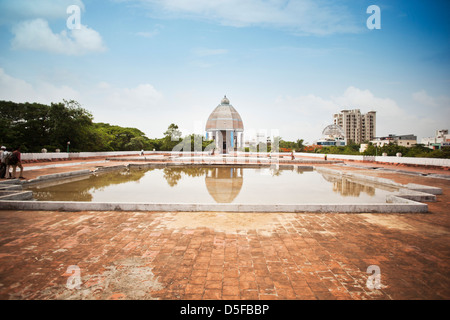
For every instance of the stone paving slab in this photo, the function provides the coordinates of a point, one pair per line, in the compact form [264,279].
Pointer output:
[212,255]
[146,255]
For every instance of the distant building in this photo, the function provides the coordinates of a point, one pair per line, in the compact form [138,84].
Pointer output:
[332,135]
[441,139]
[357,127]
[254,138]
[407,140]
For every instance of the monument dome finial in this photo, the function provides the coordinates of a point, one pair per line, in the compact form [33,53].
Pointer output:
[225,100]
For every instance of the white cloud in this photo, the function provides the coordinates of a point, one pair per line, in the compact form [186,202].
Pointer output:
[301,117]
[29,23]
[354,98]
[306,116]
[391,118]
[103,85]
[424,99]
[302,17]
[151,33]
[37,35]
[306,105]
[400,119]
[142,97]
[18,90]
[13,11]
[138,107]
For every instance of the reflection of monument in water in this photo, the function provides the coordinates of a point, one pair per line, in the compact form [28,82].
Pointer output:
[348,188]
[224,184]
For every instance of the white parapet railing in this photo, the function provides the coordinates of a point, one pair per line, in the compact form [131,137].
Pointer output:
[380,159]
[74,155]
[333,156]
[80,155]
[416,161]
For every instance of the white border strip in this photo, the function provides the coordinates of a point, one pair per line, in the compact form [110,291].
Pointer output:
[398,206]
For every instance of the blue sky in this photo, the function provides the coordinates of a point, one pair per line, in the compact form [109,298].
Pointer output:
[286,66]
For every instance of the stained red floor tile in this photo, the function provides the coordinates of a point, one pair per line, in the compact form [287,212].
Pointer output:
[148,255]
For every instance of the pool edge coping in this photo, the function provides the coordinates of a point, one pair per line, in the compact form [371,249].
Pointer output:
[395,203]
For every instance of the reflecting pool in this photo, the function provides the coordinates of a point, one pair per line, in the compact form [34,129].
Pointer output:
[211,184]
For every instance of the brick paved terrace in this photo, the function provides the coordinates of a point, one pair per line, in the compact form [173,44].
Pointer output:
[214,255]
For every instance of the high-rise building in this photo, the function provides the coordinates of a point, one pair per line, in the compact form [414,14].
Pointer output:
[357,127]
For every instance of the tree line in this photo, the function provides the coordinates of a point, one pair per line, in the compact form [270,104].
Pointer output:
[391,149]
[35,126]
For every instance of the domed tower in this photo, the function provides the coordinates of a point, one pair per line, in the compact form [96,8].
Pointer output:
[332,135]
[225,127]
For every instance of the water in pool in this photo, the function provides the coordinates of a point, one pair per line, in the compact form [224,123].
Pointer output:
[212,185]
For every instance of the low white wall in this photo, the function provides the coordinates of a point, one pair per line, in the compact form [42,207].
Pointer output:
[73,155]
[420,161]
[76,155]
[333,156]
[393,160]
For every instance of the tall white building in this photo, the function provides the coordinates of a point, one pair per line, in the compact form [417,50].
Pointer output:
[357,127]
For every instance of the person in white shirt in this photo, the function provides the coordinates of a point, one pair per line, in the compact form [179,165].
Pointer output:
[4,169]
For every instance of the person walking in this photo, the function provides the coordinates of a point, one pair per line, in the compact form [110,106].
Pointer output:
[16,161]
[2,162]
[6,157]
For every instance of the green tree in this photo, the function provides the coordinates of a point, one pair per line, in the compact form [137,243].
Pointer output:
[68,122]
[24,125]
[34,126]
[118,138]
[172,136]
[297,146]
[300,147]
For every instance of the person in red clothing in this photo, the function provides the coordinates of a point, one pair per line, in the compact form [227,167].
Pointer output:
[17,162]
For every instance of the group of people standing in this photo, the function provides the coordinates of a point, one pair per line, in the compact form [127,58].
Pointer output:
[9,160]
